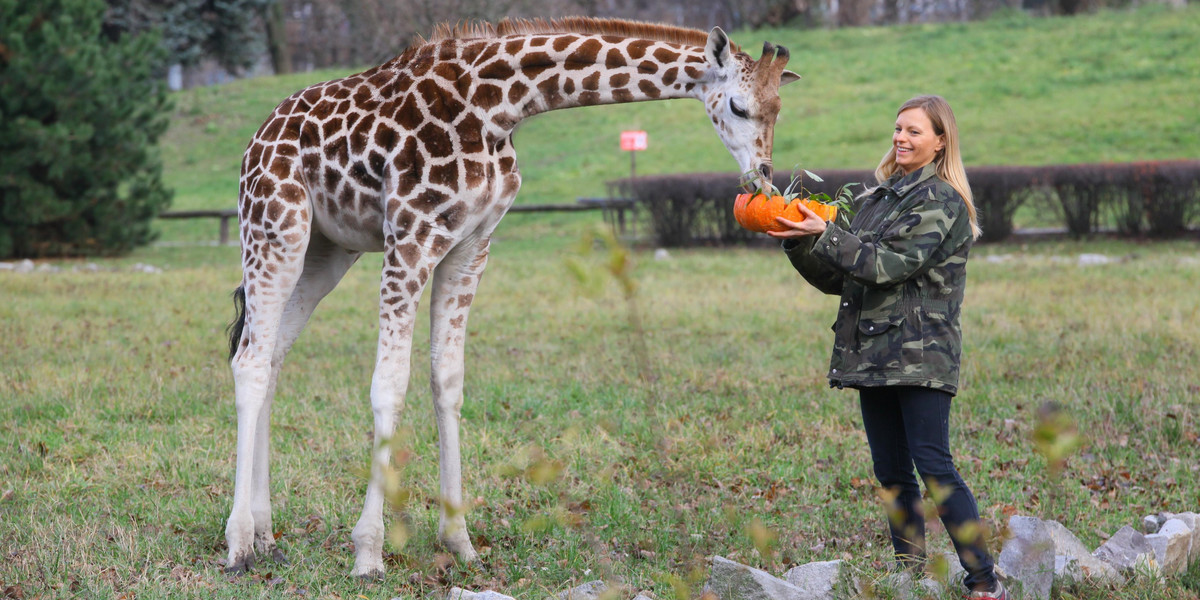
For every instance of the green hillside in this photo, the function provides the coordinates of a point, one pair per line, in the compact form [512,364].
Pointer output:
[1117,86]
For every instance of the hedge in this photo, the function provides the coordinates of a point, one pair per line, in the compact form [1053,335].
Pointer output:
[1156,199]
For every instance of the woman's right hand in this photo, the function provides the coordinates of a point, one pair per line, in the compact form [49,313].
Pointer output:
[811,225]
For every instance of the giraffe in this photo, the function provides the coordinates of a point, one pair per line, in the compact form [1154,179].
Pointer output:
[414,159]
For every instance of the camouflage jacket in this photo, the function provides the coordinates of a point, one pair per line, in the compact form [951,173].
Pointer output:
[900,267]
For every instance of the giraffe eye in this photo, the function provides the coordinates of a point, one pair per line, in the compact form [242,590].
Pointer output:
[737,110]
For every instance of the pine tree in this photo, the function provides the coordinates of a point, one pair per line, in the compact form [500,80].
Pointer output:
[80,114]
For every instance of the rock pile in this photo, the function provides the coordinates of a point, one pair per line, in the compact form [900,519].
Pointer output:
[1035,555]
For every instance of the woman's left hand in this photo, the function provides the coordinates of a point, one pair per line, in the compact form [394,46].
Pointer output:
[811,225]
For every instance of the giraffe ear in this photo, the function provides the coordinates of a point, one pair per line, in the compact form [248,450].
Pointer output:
[717,51]
[787,77]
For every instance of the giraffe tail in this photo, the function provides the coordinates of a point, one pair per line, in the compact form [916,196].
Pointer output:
[239,322]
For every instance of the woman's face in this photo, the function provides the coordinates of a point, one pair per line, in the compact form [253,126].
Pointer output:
[915,142]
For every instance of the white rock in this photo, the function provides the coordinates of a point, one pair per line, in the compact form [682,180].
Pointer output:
[588,591]
[1077,561]
[1172,546]
[819,579]
[1093,259]
[1028,556]
[1151,523]
[662,254]
[1192,520]
[461,594]
[1127,550]
[7,266]
[730,580]
[25,266]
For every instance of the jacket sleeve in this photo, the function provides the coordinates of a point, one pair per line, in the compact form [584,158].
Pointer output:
[815,271]
[902,250]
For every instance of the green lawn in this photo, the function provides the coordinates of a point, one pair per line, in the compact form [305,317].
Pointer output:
[117,428]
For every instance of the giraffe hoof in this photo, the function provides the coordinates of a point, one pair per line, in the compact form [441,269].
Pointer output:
[370,576]
[241,565]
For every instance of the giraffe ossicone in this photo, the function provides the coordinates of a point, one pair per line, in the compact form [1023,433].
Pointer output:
[414,158]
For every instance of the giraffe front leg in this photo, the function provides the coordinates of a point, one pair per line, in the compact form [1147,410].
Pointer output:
[389,383]
[455,282]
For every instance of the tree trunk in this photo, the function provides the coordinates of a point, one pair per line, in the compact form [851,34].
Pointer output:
[277,38]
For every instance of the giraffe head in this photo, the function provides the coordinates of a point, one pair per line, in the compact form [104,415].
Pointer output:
[742,100]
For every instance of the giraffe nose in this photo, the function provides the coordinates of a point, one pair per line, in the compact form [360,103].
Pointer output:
[765,169]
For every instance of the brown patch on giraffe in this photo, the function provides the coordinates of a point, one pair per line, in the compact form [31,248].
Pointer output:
[585,55]
[536,63]
[337,151]
[497,69]
[669,76]
[517,91]
[409,114]
[281,168]
[637,48]
[457,322]
[513,47]
[441,244]
[549,90]
[563,42]
[428,201]
[436,140]
[505,121]
[694,58]
[362,176]
[614,59]
[410,253]
[361,135]
[470,134]
[386,137]
[291,193]
[622,95]
[377,163]
[446,175]
[404,221]
[289,220]
[512,184]
[421,64]
[321,110]
[256,214]
[569,86]
[465,300]
[285,107]
[270,131]
[648,66]
[452,218]
[330,128]
[449,71]
[412,287]
[589,98]
[487,96]
[471,51]
[649,88]
[422,233]
[507,164]
[263,187]
[441,106]
[274,212]
[538,41]
[618,80]
[692,72]
[666,55]
[475,173]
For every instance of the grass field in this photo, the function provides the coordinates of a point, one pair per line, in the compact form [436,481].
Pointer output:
[117,425]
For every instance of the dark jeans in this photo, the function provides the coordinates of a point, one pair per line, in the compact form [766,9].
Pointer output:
[909,426]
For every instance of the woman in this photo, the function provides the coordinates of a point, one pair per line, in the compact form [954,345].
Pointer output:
[900,269]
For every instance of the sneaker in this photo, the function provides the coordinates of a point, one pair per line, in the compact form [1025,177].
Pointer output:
[999,593]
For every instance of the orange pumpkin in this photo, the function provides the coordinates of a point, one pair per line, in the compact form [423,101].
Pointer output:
[757,211]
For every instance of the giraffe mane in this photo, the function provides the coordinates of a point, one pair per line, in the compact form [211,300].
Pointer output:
[585,25]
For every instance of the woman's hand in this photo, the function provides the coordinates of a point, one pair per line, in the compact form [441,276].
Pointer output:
[811,225]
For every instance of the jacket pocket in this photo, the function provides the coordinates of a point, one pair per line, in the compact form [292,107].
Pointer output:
[881,343]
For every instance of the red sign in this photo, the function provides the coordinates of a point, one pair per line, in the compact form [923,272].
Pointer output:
[633,140]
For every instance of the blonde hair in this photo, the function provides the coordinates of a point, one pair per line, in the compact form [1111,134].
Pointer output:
[948,159]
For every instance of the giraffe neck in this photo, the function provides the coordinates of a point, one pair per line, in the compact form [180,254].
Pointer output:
[517,77]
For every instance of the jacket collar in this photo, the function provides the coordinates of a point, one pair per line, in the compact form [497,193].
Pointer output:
[901,184]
